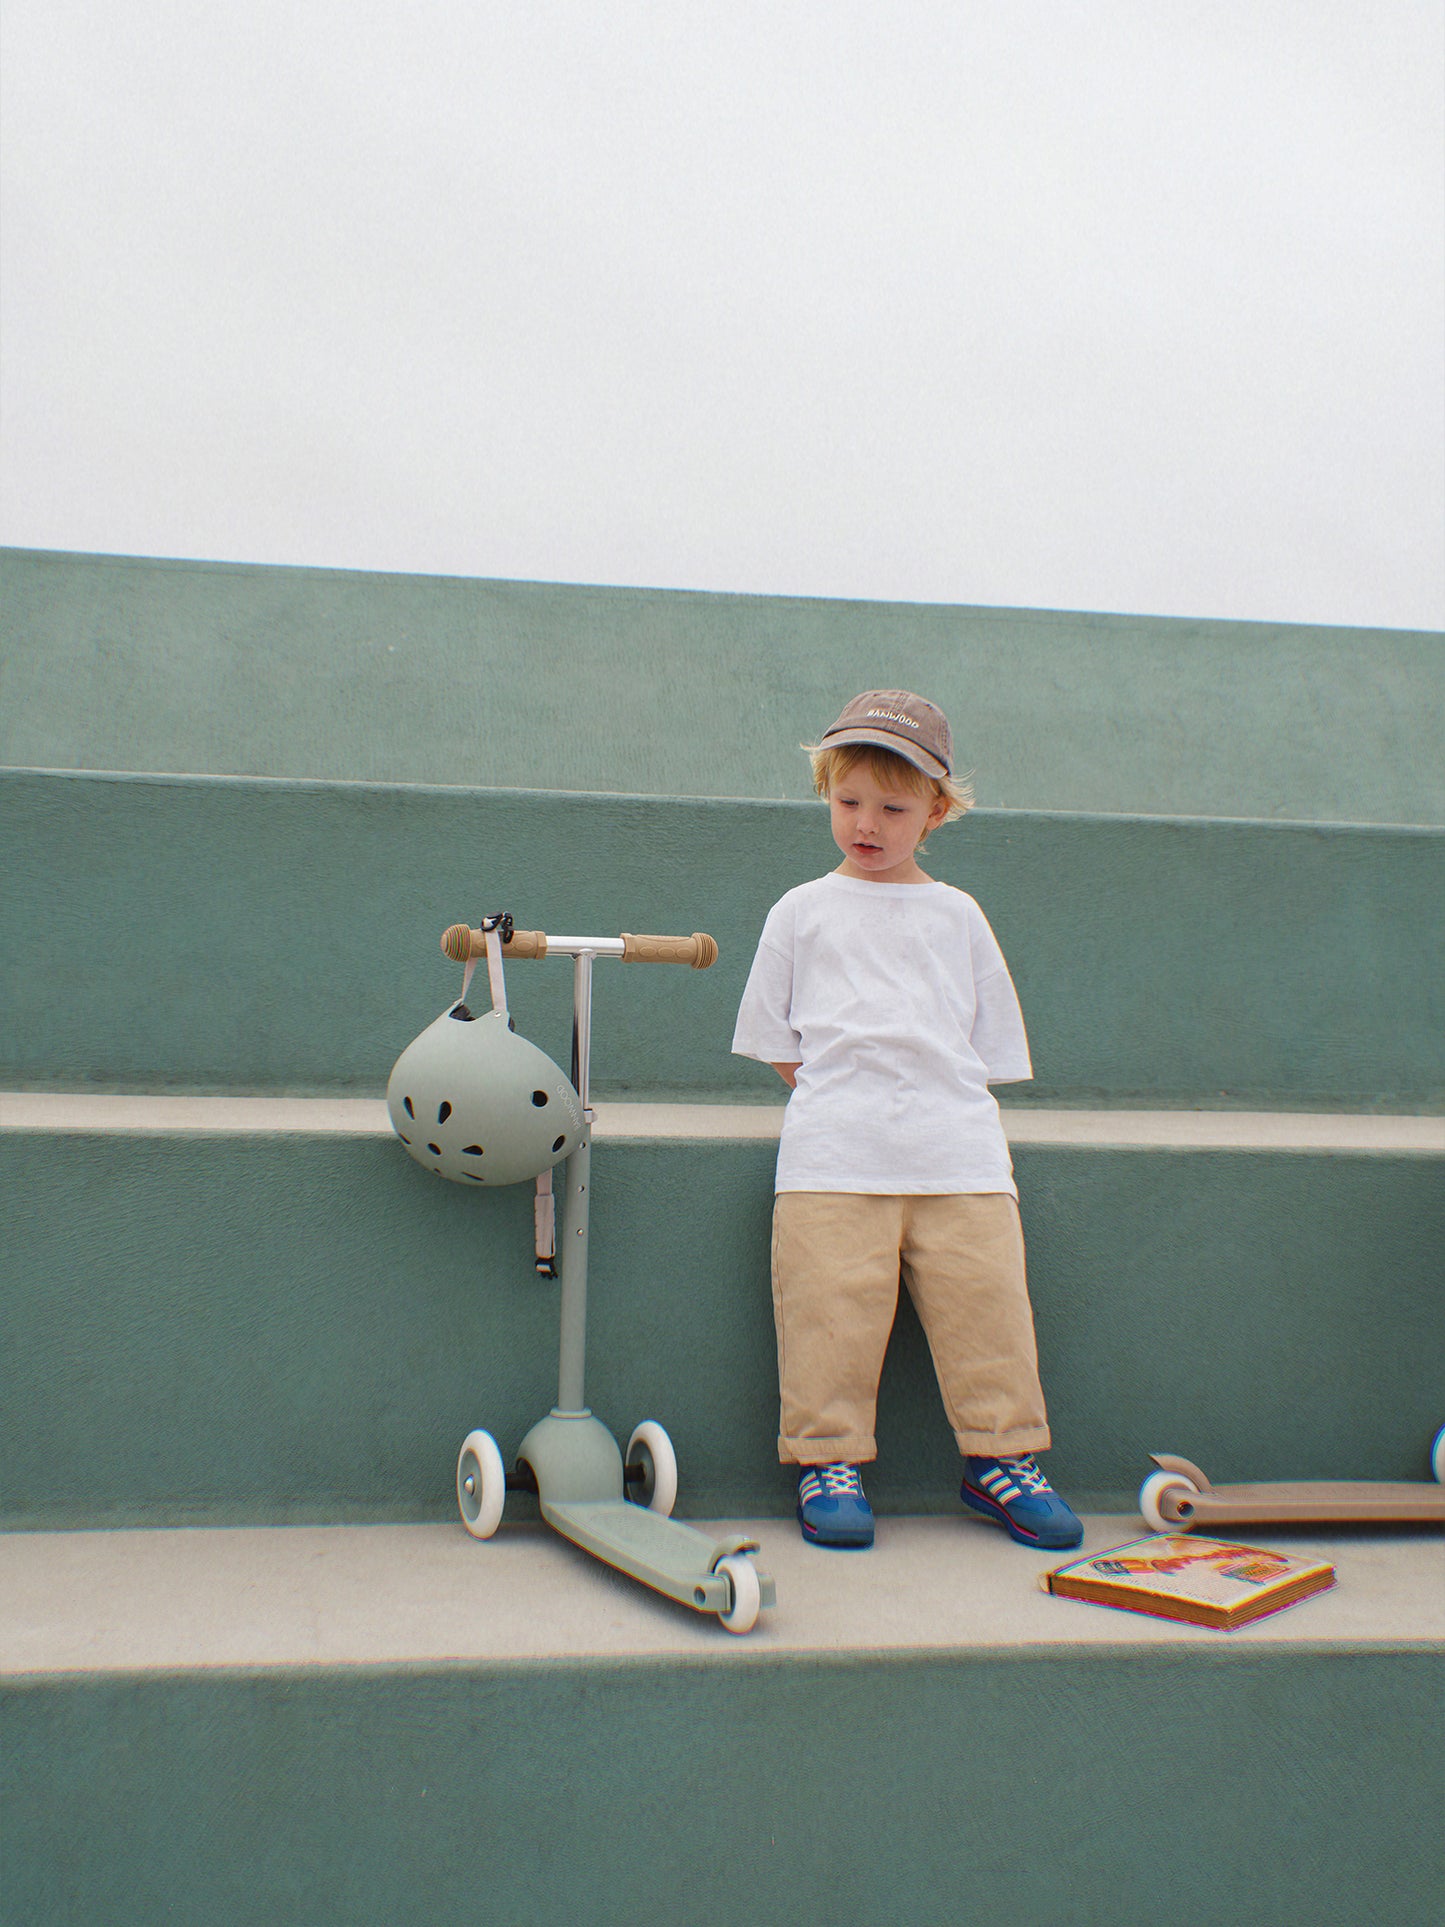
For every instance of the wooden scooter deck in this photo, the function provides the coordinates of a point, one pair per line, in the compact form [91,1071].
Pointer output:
[1304,1502]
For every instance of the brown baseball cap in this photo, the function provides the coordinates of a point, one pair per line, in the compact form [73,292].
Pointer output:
[898,720]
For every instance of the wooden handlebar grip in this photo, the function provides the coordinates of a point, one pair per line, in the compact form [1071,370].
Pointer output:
[462,944]
[698,950]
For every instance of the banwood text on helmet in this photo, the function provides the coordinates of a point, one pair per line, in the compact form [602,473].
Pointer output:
[475,1102]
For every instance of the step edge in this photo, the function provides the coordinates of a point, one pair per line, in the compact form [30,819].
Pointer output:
[1306,1132]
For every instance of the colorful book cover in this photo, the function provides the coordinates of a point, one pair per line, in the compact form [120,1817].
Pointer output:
[1208,1582]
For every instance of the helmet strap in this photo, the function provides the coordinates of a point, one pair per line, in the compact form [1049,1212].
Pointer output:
[494,939]
[544,1217]
[494,968]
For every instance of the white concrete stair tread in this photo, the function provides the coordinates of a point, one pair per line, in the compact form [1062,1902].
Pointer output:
[423,1595]
[1202,1130]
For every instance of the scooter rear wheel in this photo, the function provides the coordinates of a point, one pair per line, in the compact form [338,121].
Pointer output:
[1154,1491]
[747,1594]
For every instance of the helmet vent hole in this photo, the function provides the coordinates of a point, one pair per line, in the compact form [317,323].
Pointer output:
[444,1113]
[472,1151]
[473,1176]
[435,1149]
[403,1137]
[557,1143]
[406,1101]
[462,1014]
[539,1098]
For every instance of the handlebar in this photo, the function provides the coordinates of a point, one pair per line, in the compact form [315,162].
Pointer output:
[699,950]
[461,944]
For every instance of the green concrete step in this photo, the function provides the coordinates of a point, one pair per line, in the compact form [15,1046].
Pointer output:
[124,663]
[392,1725]
[201,933]
[203,1599]
[264,1324]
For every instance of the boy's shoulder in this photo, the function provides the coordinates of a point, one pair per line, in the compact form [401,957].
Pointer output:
[831,895]
[806,892]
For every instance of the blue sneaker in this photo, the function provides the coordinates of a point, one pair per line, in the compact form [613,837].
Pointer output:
[1016,1495]
[831,1507]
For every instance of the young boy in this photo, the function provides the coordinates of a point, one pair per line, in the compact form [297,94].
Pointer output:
[882,1000]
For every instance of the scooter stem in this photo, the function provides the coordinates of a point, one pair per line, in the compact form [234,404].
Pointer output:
[573,1254]
[582,1025]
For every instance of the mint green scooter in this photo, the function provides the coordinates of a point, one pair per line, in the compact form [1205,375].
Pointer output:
[476,1103]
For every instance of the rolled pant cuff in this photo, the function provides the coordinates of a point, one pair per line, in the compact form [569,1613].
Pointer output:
[1004,1445]
[856,1448]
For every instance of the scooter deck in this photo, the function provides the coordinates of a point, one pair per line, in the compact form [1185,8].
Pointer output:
[1338,1502]
[674,1559]
[1306,1502]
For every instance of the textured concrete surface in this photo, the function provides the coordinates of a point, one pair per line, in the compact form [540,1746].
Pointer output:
[253,1309]
[123,663]
[1228,1777]
[95,1602]
[1389,1134]
[261,1328]
[259,936]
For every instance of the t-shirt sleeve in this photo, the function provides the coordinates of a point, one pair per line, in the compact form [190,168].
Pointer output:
[764,1027]
[998,1033]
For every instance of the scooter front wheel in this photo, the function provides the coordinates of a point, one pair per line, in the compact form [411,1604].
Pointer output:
[651,1448]
[746,1593]
[481,1484]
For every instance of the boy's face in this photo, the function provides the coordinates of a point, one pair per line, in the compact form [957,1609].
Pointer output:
[878,826]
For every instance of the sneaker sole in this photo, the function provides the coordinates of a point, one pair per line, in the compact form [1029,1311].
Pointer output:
[990,1509]
[834,1542]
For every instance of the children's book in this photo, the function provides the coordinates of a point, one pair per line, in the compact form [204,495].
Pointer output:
[1205,1581]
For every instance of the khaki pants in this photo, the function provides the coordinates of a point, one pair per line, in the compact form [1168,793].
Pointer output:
[837,1259]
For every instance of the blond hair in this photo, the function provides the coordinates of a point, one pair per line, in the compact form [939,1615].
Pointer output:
[831,765]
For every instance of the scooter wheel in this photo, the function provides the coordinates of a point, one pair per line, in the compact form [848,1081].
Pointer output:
[481,1484]
[744,1590]
[1161,1488]
[651,1448]
[1437,1456]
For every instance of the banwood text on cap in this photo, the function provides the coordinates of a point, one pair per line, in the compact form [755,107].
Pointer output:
[896,719]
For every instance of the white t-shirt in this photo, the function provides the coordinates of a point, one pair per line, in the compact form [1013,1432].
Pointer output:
[896,1001]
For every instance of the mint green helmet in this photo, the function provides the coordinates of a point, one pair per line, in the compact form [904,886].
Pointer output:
[475,1102]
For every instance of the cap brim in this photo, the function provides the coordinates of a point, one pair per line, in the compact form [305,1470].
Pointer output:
[914,753]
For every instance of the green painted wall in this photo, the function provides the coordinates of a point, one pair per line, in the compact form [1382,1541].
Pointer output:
[252,1329]
[219,934]
[1227,1783]
[121,663]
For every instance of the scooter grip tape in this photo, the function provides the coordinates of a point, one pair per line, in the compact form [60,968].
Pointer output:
[462,944]
[698,950]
